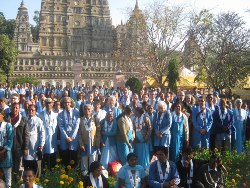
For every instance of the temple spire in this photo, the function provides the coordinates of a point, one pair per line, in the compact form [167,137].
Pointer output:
[136,5]
[22,3]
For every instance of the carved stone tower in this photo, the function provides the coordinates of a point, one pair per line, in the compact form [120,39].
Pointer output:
[22,34]
[75,26]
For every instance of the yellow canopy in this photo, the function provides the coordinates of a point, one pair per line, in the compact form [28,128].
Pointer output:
[186,82]
[247,85]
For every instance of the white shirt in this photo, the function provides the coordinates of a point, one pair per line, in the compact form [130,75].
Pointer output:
[100,115]
[37,137]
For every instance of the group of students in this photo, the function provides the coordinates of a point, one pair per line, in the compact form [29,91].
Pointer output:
[163,173]
[105,128]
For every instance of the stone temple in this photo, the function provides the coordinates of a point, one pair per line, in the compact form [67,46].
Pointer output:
[76,43]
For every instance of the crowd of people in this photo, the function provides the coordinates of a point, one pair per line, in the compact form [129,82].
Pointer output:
[96,126]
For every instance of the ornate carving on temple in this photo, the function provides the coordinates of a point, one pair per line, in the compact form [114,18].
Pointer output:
[70,31]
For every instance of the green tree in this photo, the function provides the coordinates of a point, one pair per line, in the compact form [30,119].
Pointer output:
[7,27]
[2,78]
[8,55]
[173,74]
[164,29]
[35,28]
[134,84]
[223,43]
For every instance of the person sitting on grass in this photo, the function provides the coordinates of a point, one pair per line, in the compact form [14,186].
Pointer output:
[95,178]
[210,175]
[131,175]
[162,172]
[28,178]
[188,168]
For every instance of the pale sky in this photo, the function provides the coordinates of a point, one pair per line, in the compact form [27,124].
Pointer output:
[118,7]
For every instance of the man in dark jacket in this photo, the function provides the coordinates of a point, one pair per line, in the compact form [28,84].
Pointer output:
[188,167]
[21,138]
[211,175]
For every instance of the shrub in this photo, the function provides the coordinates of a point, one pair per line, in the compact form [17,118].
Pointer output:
[134,84]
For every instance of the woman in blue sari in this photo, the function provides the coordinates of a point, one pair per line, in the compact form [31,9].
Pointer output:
[108,132]
[142,128]
[202,120]
[240,117]
[162,122]
[179,132]
[125,134]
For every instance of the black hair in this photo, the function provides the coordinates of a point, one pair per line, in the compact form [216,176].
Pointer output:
[2,112]
[144,103]
[161,148]
[187,150]
[30,169]
[32,105]
[127,109]
[139,110]
[97,101]
[93,166]
[130,155]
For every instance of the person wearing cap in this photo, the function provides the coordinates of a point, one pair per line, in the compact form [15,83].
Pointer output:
[202,121]
[68,121]
[125,134]
[188,168]
[108,141]
[163,172]
[49,119]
